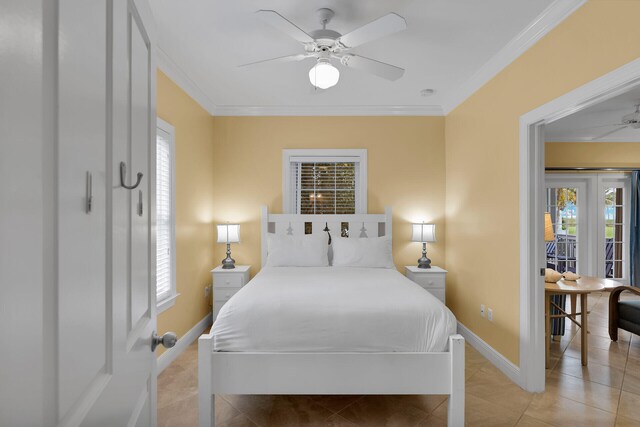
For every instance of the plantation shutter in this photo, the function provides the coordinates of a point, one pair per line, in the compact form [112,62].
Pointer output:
[327,187]
[163,218]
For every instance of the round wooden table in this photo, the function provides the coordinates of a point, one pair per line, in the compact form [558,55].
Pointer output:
[582,287]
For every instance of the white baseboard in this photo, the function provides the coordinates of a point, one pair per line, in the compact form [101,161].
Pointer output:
[497,359]
[184,341]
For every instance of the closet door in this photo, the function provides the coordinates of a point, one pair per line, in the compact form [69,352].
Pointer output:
[130,397]
[106,271]
[83,317]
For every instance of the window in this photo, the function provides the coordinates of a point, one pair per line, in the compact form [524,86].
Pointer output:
[165,217]
[324,181]
[590,218]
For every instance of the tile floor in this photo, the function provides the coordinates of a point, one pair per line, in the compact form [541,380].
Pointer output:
[605,393]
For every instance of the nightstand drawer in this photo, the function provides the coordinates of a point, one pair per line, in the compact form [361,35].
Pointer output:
[224,294]
[222,280]
[430,281]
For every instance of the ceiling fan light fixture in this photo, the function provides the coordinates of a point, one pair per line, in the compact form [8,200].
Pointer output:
[323,75]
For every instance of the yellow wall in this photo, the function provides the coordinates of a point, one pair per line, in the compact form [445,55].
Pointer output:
[195,236]
[482,157]
[592,154]
[405,171]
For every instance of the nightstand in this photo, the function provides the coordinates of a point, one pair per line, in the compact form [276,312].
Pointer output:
[431,279]
[226,283]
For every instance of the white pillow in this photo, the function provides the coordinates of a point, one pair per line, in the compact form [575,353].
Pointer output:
[371,252]
[309,250]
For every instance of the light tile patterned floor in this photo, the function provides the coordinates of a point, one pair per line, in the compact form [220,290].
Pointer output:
[605,393]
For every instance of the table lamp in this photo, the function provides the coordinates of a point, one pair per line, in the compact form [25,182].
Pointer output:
[228,233]
[424,233]
[548,228]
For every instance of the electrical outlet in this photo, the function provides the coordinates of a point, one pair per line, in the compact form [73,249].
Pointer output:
[481,310]
[207,291]
[490,315]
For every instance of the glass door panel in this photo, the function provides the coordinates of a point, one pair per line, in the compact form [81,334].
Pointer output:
[613,231]
[562,251]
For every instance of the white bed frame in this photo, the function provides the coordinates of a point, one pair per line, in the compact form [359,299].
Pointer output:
[329,373]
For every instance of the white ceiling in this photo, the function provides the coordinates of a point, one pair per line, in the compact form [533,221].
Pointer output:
[447,45]
[593,121]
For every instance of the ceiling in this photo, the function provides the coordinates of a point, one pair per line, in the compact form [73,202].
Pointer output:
[593,121]
[446,46]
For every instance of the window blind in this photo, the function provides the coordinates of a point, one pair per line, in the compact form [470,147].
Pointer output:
[163,218]
[324,187]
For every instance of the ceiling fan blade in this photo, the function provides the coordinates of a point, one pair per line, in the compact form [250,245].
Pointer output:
[278,21]
[280,59]
[608,133]
[381,69]
[381,27]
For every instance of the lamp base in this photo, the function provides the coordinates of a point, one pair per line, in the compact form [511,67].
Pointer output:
[424,262]
[228,263]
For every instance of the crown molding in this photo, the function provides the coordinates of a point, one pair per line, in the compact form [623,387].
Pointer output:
[179,77]
[328,110]
[550,18]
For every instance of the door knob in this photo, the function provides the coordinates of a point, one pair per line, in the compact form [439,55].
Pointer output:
[168,340]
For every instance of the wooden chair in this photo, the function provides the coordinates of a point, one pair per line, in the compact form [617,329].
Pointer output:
[623,314]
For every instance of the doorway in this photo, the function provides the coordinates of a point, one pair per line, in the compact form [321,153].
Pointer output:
[533,203]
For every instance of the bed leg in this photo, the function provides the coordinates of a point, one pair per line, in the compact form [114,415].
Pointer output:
[456,398]
[206,398]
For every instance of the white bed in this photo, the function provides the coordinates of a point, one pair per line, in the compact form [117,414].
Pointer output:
[332,309]
[331,330]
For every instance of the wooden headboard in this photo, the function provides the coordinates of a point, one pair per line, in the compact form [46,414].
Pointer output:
[356,225]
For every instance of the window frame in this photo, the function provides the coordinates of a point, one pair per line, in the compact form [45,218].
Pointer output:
[358,156]
[170,299]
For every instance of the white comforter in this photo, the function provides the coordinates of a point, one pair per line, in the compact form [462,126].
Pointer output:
[332,309]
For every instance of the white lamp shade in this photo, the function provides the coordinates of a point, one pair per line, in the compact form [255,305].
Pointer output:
[228,233]
[423,233]
[324,75]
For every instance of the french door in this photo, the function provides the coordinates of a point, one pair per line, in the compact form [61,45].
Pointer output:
[589,218]
[566,210]
[613,227]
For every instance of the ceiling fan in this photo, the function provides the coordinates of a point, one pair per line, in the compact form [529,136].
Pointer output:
[326,45]
[630,120]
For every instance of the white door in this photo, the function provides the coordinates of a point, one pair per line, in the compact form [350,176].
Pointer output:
[613,226]
[106,371]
